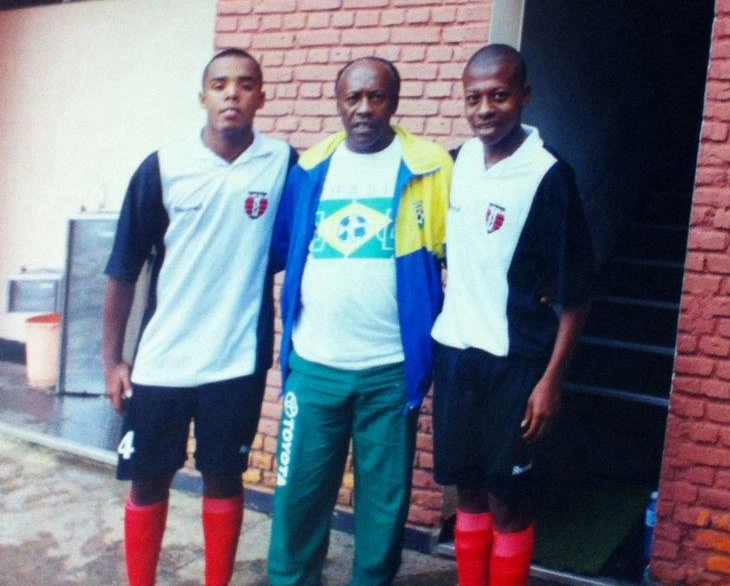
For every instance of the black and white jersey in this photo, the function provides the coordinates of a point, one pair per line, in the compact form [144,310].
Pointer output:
[209,223]
[516,232]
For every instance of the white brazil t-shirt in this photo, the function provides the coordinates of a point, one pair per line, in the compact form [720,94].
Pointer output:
[349,316]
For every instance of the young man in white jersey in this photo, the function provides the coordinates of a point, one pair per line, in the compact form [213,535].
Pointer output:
[517,235]
[362,221]
[201,210]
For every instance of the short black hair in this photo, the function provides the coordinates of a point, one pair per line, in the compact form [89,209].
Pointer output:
[498,52]
[234,52]
[395,76]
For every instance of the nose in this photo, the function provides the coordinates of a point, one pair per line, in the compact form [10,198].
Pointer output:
[363,106]
[231,91]
[485,107]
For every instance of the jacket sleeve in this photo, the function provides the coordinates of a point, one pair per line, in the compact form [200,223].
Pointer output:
[282,224]
[441,207]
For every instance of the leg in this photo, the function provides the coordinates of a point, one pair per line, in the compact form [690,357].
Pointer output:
[222,520]
[145,517]
[151,490]
[509,501]
[313,440]
[458,459]
[473,535]
[514,541]
[222,486]
[152,448]
[383,450]
[512,513]
[226,416]
[472,498]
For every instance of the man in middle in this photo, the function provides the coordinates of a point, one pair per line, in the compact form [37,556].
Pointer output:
[361,224]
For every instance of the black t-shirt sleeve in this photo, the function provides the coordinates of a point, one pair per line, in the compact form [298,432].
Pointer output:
[567,242]
[142,222]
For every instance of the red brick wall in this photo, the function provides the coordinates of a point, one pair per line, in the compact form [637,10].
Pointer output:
[692,539]
[301,45]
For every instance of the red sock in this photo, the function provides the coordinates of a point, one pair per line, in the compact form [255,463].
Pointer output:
[511,557]
[144,526]
[222,520]
[473,544]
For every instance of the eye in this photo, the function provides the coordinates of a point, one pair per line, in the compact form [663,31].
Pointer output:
[500,96]
[471,99]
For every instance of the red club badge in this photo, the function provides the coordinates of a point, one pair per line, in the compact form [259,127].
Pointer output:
[494,218]
[256,204]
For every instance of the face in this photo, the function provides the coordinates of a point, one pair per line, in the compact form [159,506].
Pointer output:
[231,94]
[366,101]
[493,100]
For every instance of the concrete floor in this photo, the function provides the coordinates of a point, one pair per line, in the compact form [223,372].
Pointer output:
[85,420]
[61,525]
[61,507]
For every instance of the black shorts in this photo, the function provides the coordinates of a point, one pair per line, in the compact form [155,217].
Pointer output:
[157,424]
[479,403]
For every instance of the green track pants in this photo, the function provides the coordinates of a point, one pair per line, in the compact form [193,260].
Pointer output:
[323,408]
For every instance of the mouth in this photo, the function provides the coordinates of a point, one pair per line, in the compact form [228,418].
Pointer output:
[230,112]
[362,126]
[486,126]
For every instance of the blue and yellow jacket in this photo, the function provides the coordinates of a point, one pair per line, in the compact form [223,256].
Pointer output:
[420,203]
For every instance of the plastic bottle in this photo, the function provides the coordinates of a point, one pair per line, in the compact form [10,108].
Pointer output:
[650,523]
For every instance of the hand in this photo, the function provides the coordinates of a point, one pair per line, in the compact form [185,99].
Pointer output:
[118,384]
[543,407]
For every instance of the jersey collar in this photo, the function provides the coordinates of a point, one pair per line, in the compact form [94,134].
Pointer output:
[419,155]
[524,155]
[260,147]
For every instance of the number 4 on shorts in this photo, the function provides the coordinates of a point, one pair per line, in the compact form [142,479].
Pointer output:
[126,446]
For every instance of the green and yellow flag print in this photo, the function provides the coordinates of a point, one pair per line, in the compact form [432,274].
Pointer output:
[349,228]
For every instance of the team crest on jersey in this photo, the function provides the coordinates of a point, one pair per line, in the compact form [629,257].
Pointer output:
[256,204]
[420,216]
[494,217]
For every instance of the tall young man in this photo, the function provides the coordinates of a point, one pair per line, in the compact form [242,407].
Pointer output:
[203,210]
[516,235]
[362,219]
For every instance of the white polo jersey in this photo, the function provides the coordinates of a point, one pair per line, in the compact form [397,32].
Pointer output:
[516,232]
[210,223]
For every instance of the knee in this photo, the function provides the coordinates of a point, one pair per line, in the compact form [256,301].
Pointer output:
[510,515]
[222,487]
[473,499]
[151,490]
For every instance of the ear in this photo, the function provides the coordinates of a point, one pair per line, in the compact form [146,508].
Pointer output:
[262,100]
[394,106]
[201,97]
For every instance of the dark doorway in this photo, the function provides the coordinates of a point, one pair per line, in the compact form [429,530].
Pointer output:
[618,90]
